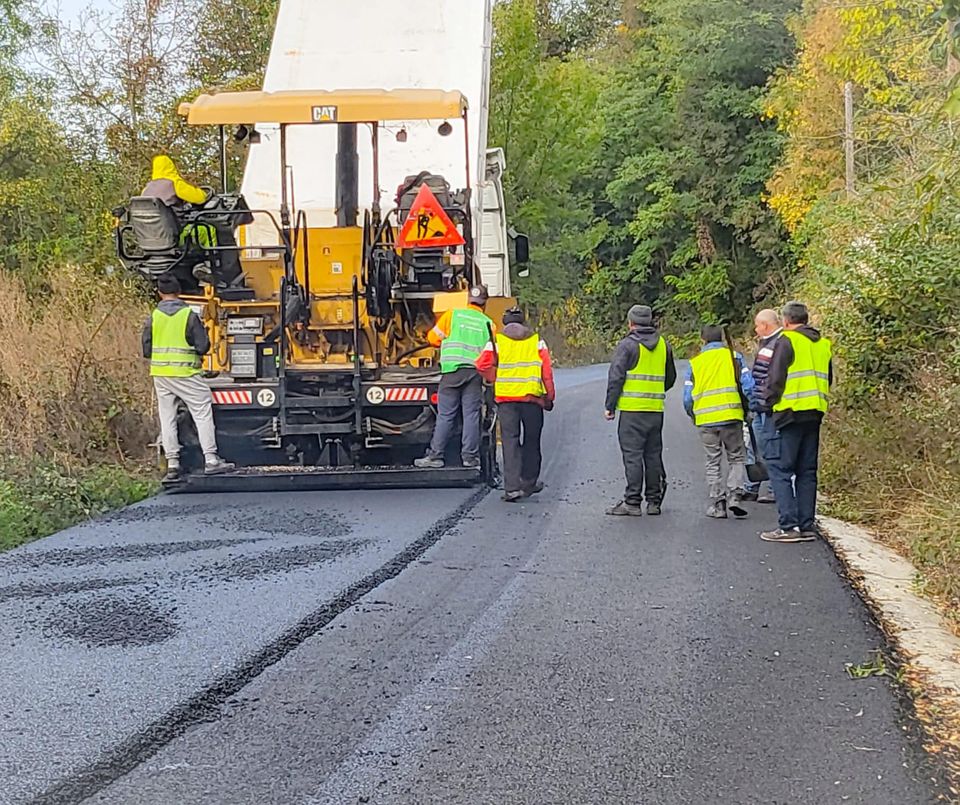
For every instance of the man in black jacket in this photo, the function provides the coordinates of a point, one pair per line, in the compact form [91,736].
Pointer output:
[795,398]
[641,372]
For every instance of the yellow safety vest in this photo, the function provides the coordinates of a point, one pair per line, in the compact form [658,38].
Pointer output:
[808,376]
[519,367]
[715,395]
[171,355]
[645,386]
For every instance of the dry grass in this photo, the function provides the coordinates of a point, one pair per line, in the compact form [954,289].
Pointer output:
[73,388]
[894,466]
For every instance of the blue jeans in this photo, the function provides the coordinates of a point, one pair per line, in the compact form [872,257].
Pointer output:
[792,454]
[759,427]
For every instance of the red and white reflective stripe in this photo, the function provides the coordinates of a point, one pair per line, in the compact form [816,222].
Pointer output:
[406,394]
[233,397]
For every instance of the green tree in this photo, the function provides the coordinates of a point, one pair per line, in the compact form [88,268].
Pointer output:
[542,115]
[685,156]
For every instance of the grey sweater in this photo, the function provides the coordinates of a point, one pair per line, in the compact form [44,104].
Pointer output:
[196,333]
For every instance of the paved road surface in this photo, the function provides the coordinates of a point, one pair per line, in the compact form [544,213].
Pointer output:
[444,647]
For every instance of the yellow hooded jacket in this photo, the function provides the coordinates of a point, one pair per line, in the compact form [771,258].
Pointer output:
[165,171]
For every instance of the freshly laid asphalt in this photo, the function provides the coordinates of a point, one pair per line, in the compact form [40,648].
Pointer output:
[441,646]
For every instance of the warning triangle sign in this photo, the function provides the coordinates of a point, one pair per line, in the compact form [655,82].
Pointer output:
[428,224]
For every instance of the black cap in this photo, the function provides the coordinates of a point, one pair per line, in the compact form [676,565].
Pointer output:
[168,284]
[478,295]
[514,316]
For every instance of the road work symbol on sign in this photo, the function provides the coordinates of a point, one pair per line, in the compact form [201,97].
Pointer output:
[428,224]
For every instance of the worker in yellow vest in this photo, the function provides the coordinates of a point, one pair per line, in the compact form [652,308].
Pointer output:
[717,383]
[641,372]
[518,363]
[460,334]
[796,396]
[174,340]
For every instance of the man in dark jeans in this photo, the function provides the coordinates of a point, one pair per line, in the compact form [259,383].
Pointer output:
[796,395]
[641,372]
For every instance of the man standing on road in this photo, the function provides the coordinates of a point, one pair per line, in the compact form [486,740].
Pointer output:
[796,395]
[517,362]
[174,339]
[641,372]
[461,335]
[768,328]
[712,398]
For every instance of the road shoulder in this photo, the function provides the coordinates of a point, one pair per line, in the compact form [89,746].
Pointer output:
[928,649]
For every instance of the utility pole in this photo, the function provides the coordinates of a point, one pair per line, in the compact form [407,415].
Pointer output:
[953,63]
[848,136]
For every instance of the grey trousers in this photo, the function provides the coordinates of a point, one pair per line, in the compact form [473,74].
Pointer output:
[451,401]
[195,394]
[717,442]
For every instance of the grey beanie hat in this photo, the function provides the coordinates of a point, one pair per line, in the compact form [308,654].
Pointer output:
[640,314]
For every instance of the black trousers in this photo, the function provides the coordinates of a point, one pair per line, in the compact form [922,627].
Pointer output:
[641,442]
[520,426]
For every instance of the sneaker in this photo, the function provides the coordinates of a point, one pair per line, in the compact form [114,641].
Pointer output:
[718,510]
[429,462]
[471,463]
[535,489]
[750,497]
[780,535]
[653,509]
[813,533]
[624,509]
[173,475]
[766,497]
[513,497]
[217,466]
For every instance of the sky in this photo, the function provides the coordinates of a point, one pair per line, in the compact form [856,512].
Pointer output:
[72,8]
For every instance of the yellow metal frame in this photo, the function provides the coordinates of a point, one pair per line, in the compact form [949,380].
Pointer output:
[301,106]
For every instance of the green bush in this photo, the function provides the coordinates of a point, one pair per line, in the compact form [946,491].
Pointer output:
[40,499]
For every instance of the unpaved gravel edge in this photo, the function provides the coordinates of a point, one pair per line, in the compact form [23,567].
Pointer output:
[928,649]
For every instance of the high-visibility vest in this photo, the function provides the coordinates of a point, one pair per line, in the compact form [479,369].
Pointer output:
[519,367]
[469,333]
[808,376]
[645,386]
[715,395]
[203,235]
[171,354]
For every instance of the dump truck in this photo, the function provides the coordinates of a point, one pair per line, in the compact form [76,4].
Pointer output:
[370,203]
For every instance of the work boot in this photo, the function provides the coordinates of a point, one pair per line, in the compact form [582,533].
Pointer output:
[471,463]
[653,509]
[429,462]
[513,497]
[535,489]
[202,273]
[718,510]
[735,507]
[216,465]
[788,535]
[624,509]
[173,475]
